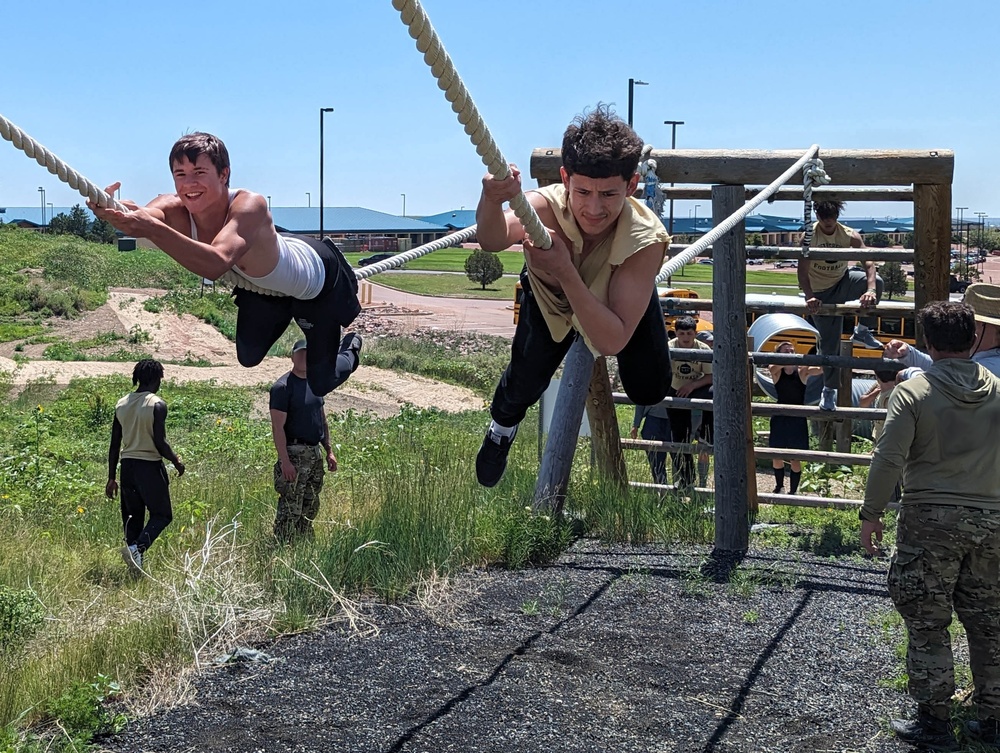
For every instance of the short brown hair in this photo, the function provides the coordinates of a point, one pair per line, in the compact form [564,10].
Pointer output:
[829,210]
[599,144]
[948,327]
[193,145]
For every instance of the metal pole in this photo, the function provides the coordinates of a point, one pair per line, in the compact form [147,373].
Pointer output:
[673,145]
[632,83]
[961,237]
[404,203]
[322,111]
[309,200]
[41,192]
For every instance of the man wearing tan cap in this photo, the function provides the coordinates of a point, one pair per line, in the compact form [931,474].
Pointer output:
[984,300]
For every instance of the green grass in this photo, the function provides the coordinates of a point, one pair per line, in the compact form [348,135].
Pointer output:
[451,286]
[452,260]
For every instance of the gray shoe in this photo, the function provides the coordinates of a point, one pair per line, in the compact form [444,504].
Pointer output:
[828,400]
[133,558]
[925,731]
[864,337]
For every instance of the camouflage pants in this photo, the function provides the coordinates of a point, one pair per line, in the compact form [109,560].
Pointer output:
[948,557]
[298,500]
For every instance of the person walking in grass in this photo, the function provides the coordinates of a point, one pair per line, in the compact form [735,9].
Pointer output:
[940,432]
[139,440]
[301,437]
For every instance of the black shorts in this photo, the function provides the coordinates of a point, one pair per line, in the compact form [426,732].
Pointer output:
[262,319]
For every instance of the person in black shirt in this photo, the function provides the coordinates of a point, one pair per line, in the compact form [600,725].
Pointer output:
[302,439]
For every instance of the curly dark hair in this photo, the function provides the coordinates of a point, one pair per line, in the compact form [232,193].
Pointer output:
[147,371]
[948,327]
[685,324]
[193,145]
[599,144]
[829,210]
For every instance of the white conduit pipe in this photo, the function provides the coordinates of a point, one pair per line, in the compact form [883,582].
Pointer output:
[673,266]
[455,92]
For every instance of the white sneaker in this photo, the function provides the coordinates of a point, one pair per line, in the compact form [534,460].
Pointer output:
[864,337]
[133,558]
[828,401]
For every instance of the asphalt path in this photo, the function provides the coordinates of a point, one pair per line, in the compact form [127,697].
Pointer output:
[455,314]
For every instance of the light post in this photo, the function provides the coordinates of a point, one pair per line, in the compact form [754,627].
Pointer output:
[673,145]
[52,210]
[322,112]
[404,203]
[42,192]
[960,243]
[269,203]
[632,83]
[309,200]
[982,236]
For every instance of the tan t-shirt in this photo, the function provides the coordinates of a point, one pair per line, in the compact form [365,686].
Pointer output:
[637,228]
[826,274]
[688,371]
[135,413]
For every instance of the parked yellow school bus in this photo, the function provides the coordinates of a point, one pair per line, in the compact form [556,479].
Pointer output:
[670,316]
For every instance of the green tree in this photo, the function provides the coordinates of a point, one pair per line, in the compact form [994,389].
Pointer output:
[755,240]
[483,267]
[878,239]
[74,223]
[894,278]
[102,232]
[965,271]
[909,239]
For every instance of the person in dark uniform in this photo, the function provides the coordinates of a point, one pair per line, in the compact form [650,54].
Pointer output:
[789,432]
[139,438]
[302,440]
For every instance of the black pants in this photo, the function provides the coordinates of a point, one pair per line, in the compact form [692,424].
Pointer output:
[144,486]
[644,362]
[262,319]
[680,431]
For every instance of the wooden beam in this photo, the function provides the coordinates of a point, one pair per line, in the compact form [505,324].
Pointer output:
[766,453]
[837,503]
[829,309]
[789,252]
[731,386]
[811,412]
[604,434]
[932,241]
[848,167]
[824,193]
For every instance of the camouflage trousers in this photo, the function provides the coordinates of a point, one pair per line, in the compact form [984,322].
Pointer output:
[948,558]
[298,500]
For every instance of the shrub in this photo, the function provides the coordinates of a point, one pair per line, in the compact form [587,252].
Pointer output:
[483,267]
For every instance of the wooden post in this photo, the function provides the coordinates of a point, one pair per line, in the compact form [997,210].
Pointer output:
[931,245]
[553,475]
[752,501]
[731,388]
[605,438]
[845,399]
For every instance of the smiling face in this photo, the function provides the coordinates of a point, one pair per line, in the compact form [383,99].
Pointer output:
[596,202]
[200,184]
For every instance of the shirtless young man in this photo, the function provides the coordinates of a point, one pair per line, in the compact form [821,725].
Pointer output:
[596,279]
[210,229]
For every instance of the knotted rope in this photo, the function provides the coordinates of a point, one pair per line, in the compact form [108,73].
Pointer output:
[672,266]
[455,92]
[813,174]
[653,194]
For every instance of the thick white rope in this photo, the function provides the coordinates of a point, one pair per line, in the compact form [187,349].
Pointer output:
[813,174]
[399,259]
[455,92]
[652,193]
[673,266]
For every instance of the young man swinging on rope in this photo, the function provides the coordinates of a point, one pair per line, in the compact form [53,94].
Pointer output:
[596,279]
[210,229]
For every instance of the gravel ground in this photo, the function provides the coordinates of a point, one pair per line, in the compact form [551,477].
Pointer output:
[608,649]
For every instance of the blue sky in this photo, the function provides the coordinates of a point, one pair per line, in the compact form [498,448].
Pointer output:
[109,88]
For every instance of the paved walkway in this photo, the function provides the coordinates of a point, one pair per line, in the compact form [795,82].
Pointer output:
[458,314]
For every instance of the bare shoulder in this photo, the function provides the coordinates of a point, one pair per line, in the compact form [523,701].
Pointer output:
[174,213]
[541,206]
[248,202]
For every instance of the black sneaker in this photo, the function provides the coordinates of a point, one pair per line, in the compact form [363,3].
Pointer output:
[985,731]
[931,733]
[352,342]
[491,461]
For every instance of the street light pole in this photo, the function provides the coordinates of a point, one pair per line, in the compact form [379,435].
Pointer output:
[52,210]
[632,83]
[322,112]
[696,218]
[960,244]
[269,203]
[42,192]
[309,200]
[673,145]
[404,203]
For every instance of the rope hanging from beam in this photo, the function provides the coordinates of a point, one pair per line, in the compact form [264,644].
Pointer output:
[813,175]
[672,266]
[437,58]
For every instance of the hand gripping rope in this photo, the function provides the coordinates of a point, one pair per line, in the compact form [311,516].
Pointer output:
[461,103]
[813,174]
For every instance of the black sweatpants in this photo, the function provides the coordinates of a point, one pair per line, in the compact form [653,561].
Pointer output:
[680,431]
[644,362]
[144,486]
[262,319]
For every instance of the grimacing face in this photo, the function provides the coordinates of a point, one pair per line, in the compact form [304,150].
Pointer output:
[597,202]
